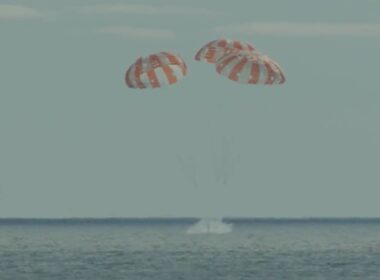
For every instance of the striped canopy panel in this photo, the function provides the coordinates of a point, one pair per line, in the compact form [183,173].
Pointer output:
[212,51]
[251,68]
[155,71]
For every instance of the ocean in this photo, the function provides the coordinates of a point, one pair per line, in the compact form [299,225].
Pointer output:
[189,248]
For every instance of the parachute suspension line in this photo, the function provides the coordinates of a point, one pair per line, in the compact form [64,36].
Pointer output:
[226,164]
[224,159]
[189,169]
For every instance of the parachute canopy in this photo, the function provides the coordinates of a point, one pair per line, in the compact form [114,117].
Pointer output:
[250,67]
[155,70]
[212,51]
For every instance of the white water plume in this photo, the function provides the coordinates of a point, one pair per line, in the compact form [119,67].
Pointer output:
[210,226]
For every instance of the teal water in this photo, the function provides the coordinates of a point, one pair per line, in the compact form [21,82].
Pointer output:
[136,249]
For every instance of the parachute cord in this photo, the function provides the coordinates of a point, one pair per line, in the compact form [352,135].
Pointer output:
[225,162]
[189,170]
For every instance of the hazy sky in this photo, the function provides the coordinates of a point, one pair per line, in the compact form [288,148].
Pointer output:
[76,142]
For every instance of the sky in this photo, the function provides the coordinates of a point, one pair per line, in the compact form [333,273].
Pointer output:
[75,141]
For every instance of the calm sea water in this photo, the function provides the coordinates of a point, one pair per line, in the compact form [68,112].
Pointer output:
[135,249]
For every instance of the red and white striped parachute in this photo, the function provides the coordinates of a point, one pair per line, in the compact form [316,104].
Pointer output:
[155,70]
[250,67]
[212,51]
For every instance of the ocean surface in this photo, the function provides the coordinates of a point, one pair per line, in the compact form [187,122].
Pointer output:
[233,249]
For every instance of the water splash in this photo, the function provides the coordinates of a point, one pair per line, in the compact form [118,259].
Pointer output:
[210,226]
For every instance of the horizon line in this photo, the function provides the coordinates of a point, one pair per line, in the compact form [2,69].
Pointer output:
[192,217]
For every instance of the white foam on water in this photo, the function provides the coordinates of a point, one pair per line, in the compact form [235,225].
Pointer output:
[210,226]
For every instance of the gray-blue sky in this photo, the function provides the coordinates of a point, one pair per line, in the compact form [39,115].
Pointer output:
[75,141]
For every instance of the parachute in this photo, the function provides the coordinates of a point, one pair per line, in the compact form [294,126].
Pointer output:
[212,51]
[250,67]
[155,70]
[238,61]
